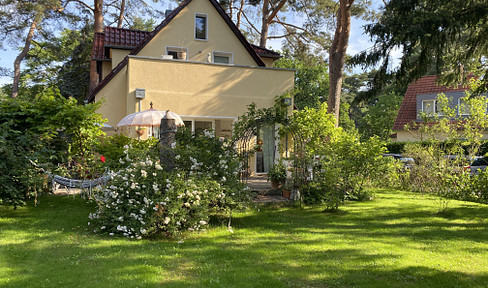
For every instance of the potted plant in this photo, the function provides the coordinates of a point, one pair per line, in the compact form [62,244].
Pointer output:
[140,131]
[277,175]
[287,187]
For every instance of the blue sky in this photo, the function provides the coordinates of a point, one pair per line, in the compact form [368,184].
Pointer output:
[358,41]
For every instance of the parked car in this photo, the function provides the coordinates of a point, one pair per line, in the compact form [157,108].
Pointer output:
[477,165]
[407,161]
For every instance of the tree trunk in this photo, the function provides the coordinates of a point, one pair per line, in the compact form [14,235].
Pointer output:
[98,16]
[337,56]
[23,53]
[121,14]
[264,24]
[239,15]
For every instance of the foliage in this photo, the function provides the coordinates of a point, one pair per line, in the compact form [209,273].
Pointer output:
[449,35]
[317,127]
[112,148]
[379,117]
[342,165]
[47,131]
[144,199]
[277,173]
[311,81]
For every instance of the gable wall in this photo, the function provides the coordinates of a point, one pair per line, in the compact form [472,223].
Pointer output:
[117,55]
[180,32]
[114,97]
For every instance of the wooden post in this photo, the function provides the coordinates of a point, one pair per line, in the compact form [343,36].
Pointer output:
[166,139]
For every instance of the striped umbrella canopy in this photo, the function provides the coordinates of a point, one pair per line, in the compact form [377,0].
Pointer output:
[149,118]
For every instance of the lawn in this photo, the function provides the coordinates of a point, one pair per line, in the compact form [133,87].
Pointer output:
[395,240]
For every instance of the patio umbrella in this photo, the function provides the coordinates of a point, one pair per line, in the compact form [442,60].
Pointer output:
[149,118]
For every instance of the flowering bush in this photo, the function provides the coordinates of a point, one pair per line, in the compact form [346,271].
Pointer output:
[144,199]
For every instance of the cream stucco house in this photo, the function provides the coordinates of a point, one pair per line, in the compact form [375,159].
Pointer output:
[196,63]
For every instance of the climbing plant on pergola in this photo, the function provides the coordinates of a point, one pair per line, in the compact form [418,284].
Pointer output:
[248,125]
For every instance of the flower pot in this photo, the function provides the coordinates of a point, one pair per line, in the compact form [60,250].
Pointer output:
[275,185]
[181,55]
[286,193]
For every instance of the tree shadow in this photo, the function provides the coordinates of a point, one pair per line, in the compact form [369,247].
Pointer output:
[50,246]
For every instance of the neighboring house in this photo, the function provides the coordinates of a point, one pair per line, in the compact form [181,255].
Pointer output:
[421,97]
[197,64]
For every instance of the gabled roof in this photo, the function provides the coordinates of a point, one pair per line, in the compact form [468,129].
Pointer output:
[127,38]
[424,85]
[263,52]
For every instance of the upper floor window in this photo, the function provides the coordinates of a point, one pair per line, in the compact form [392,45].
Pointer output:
[463,107]
[201,26]
[429,107]
[222,57]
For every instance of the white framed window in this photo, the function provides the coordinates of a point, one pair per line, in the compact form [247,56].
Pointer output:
[201,27]
[179,53]
[429,107]
[223,57]
[197,126]
[463,108]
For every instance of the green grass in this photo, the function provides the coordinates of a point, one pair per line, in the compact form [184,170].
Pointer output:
[396,240]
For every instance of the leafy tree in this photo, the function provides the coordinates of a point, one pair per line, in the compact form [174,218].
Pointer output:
[378,117]
[311,81]
[450,35]
[46,130]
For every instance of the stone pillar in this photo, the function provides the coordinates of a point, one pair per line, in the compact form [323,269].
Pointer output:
[167,132]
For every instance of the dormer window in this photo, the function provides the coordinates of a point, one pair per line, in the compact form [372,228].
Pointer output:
[201,26]
[222,57]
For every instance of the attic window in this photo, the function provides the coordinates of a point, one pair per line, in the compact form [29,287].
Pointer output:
[222,57]
[179,53]
[201,26]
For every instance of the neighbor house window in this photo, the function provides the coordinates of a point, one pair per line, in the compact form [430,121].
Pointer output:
[179,53]
[463,108]
[222,57]
[201,26]
[429,107]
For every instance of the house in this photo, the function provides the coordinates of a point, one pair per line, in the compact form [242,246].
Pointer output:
[196,63]
[420,97]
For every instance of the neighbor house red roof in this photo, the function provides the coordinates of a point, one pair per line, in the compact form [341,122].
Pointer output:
[424,85]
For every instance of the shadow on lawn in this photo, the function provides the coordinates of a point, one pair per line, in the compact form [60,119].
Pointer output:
[273,248]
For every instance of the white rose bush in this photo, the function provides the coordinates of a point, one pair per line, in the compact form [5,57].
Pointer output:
[143,199]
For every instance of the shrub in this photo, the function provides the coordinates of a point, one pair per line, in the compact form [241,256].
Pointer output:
[144,199]
[112,148]
[47,131]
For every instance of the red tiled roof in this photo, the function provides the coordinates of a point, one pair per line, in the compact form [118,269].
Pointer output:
[97,50]
[408,109]
[125,38]
[263,52]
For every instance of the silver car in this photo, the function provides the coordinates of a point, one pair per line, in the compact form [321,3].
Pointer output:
[477,165]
